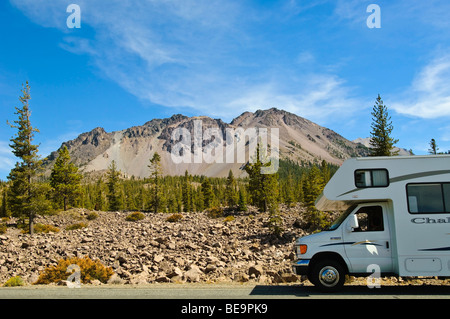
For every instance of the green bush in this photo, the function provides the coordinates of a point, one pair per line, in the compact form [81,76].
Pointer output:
[133,217]
[89,271]
[3,229]
[76,226]
[41,228]
[92,216]
[229,218]
[174,218]
[14,282]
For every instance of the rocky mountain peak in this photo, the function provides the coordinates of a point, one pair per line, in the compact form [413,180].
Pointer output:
[299,140]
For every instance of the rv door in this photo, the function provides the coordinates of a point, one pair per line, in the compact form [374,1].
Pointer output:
[370,242]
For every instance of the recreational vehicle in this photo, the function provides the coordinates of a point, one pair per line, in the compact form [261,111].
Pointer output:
[396,220]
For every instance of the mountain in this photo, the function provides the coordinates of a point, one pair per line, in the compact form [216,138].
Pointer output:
[299,140]
[366,143]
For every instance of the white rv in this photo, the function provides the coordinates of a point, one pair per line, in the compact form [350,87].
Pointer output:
[396,220]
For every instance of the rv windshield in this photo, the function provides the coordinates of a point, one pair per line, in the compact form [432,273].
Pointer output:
[341,218]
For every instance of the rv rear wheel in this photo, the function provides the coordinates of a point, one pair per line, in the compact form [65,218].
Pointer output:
[328,275]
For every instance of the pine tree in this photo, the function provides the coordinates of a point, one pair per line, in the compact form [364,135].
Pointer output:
[26,197]
[156,175]
[289,188]
[433,147]
[114,193]
[98,200]
[242,203]
[381,141]
[312,187]
[231,195]
[207,193]
[186,192]
[4,207]
[65,179]
[263,188]
[326,173]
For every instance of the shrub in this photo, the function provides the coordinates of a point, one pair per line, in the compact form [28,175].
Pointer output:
[229,218]
[14,282]
[174,218]
[92,216]
[133,217]
[3,229]
[42,228]
[89,271]
[76,226]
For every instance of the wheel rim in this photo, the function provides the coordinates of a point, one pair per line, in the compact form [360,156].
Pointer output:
[329,276]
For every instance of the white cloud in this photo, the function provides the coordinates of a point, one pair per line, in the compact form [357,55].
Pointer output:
[429,94]
[184,54]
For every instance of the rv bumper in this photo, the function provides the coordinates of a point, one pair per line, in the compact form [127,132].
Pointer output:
[300,267]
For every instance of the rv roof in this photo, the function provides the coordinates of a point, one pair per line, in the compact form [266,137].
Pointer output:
[371,158]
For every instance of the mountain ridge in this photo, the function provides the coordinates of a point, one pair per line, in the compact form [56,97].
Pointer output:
[300,140]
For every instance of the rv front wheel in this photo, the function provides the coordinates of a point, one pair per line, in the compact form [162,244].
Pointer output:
[328,275]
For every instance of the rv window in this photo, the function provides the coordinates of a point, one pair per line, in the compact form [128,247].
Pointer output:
[446,189]
[370,219]
[371,178]
[427,198]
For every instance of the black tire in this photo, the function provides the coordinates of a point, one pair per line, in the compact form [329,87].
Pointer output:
[328,275]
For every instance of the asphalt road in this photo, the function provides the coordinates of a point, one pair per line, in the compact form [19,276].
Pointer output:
[222,291]
[220,301]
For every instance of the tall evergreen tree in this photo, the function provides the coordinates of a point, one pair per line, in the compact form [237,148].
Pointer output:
[231,195]
[381,141]
[65,179]
[4,207]
[433,147]
[263,188]
[207,193]
[156,175]
[289,188]
[114,193]
[26,197]
[98,199]
[186,192]
[242,203]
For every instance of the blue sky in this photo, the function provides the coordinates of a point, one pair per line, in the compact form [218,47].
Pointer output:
[132,61]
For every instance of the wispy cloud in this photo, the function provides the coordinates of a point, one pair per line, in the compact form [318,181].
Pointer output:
[184,54]
[429,94]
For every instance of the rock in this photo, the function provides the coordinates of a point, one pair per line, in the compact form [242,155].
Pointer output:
[191,246]
[25,245]
[193,274]
[286,277]
[256,270]
[158,258]
[241,278]
[210,268]
[158,251]
[176,272]
[115,280]
[162,279]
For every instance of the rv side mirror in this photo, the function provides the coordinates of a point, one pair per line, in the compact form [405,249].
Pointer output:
[352,223]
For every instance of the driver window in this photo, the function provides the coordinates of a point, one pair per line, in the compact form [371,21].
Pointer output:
[370,219]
